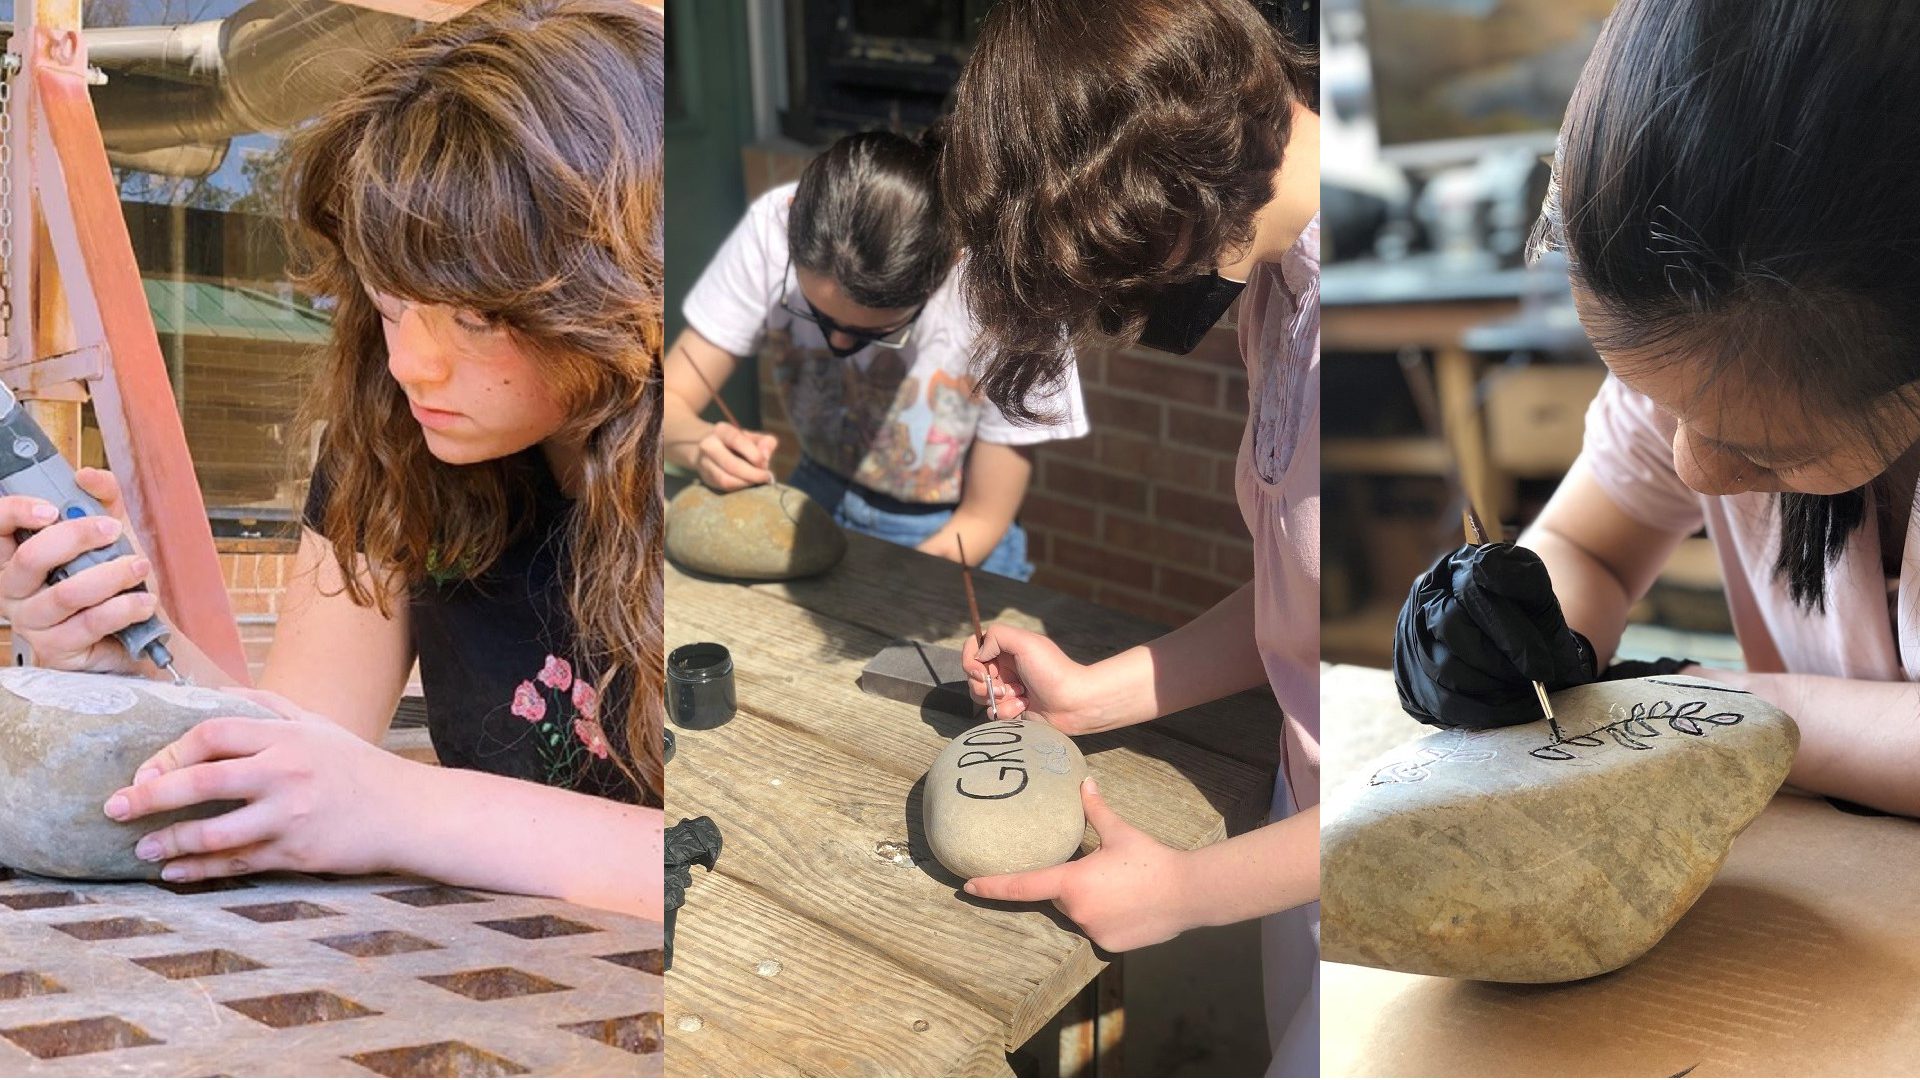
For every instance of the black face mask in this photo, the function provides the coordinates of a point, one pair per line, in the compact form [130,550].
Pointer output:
[1182,314]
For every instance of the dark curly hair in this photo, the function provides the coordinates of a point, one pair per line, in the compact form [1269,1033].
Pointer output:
[1098,151]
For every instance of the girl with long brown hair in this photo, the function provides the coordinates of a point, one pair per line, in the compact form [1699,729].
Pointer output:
[1122,170]
[485,214]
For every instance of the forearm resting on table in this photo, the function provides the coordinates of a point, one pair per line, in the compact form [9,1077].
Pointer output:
[1271,869]
[1858,740]
[996,485]
[482,831]
[1207,659]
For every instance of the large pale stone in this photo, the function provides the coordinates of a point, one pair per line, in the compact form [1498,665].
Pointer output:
[1005,797]
[67,742]
[1543,853]
[767,533]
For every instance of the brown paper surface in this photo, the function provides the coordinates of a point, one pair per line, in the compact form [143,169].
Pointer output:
[1802,959]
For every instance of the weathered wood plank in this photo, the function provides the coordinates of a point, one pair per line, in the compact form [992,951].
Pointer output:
[802,669]
[757,990]
[837,841]
[902,593]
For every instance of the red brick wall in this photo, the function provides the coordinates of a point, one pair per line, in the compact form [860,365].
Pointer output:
[1140,515]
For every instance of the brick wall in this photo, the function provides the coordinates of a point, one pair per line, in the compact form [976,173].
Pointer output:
[1139,515]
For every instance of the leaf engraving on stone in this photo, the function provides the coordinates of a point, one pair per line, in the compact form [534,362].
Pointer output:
[1633,730]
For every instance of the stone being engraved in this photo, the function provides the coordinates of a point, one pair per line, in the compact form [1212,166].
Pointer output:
[1005,797]
[1548,851]
[67,741]
[767,533]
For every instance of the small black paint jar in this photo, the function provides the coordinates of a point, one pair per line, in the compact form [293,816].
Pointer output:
[700,686]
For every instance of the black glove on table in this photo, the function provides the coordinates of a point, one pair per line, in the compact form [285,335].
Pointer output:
[1478,630]
[695,841]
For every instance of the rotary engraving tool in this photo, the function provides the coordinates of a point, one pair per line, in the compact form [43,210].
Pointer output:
[29,465]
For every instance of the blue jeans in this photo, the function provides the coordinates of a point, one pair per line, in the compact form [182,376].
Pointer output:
[898,522]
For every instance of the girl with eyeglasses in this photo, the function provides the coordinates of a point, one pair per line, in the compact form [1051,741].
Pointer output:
[485,212]
[843,284]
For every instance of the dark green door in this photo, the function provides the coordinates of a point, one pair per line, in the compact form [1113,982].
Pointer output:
[709,118]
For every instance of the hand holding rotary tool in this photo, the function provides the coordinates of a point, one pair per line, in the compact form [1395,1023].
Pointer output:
[30,466]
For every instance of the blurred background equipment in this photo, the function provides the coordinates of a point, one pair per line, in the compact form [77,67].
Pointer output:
[1442,346]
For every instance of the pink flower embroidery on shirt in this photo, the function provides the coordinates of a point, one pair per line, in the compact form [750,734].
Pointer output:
[528,705]
[591,735]
[557,673]
[586,700]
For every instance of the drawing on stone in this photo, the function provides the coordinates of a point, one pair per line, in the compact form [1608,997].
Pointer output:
[1009,760]
[1634,729]
[1416,769]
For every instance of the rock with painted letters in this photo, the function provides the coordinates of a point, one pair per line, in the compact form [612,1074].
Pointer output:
[767,533]
[1005,797]
[70,740]
[1549,851]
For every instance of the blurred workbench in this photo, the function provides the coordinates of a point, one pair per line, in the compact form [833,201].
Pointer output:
[1444,318]
[1799,960]
[828,941]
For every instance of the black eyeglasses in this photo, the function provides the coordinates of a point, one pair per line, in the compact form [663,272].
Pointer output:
[896,338]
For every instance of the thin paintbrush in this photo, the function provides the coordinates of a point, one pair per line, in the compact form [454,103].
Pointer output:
[979,634]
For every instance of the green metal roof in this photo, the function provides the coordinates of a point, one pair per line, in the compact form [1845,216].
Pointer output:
[208,310]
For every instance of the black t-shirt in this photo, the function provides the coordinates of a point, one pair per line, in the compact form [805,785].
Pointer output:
[503,692]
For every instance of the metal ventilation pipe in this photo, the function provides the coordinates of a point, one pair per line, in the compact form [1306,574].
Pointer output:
[267,67]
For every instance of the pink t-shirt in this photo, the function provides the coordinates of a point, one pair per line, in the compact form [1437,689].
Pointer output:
[1629,451]
[1277,480]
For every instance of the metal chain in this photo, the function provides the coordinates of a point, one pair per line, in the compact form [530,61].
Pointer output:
[9,65]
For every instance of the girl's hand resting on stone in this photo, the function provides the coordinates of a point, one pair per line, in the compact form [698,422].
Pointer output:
[318,797]
[1128,894]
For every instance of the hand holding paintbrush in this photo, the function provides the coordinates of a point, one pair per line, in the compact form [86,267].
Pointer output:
[730,460]
[1482,637]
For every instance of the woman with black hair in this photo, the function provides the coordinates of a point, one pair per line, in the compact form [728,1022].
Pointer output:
[843,283]
[1736,194]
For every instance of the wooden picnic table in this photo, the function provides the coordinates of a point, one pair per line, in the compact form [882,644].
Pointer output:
[1799,959]
[828,941]
[303,975]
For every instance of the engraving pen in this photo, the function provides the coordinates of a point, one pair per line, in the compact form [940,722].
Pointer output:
[1477,534]
[29,465]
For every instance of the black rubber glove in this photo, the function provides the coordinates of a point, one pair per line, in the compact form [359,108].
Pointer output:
[1478,630]
[1645,669]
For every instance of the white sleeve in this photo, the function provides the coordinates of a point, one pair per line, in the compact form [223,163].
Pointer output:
[730,303]
[1065,403]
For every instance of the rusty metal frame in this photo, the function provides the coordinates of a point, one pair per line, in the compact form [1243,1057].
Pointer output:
[81,326]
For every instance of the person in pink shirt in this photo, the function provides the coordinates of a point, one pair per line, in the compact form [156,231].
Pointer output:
[1119,170]
[1736,193]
